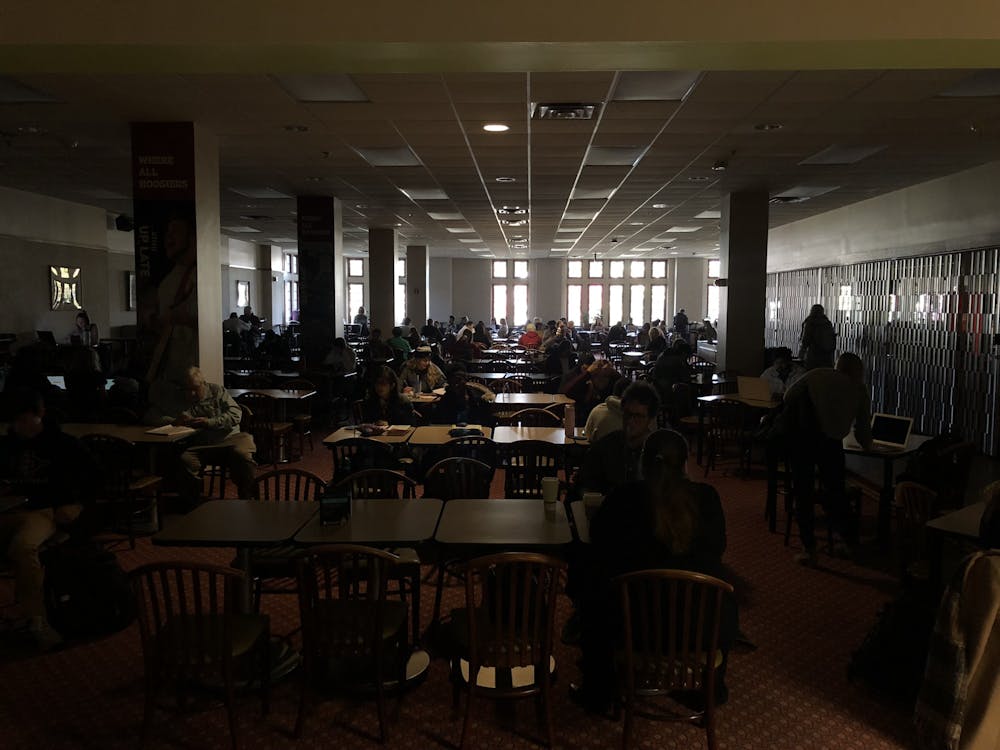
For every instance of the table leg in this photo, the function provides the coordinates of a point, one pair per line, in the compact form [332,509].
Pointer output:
[245,601]
[771,508]
[885,500]
[701,430]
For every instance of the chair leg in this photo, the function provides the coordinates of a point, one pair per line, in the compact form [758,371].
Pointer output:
[380,706]
[468,711]
[627,726]
[438,591]
[265,674]
[713,742]
[149,705]
[415,604]
[231,709]
[300,720]
[547,707]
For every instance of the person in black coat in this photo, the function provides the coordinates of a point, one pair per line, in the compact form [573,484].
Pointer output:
[663,521]
[384,402]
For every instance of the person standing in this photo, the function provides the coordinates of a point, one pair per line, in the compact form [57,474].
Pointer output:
[681,323]
[818,339]
[819,411]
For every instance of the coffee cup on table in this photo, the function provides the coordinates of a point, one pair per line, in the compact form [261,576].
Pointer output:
[550,490]
[591,502]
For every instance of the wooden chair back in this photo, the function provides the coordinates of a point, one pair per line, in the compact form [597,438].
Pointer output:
[453,478]
[916,504]
[531,418]
[379,484]
[289,485]
[358,453]
[480,448]
[528,461]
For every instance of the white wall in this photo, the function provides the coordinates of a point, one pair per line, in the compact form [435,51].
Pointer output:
[950,213]
[470,289]
[439,295]
[690,287]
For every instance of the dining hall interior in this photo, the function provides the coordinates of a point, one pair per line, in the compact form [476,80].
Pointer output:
[364,370]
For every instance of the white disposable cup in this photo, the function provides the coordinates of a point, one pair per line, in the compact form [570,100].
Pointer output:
[550,490]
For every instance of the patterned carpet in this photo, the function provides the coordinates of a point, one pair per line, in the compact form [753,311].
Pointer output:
[791,693]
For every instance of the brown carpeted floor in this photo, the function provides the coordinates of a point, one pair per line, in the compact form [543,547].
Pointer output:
[792,692]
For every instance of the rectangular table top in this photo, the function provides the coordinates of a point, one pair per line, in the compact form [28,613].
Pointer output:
[437,434]
[378,522]
[280,393]
[531,399]
[502,522]
[580,521]
[537,377]
[755,403]
[352,432]
[234,523]
[134,433]
[555,435]
[963,522]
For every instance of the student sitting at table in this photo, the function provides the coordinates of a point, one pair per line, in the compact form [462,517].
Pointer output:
[215,417]
[341,360]
[590,385]
[671,368]
[52,470]
[481,336]
[399,343]
[783,373]
[379,351]
[419,374]
[614,459]
[606,417]
[663,521]
[657,342]
[463,402]
[530,338]
[384,403]
[431,332]
[503,331]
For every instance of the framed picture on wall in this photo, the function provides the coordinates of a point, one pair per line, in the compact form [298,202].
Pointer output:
[65,292]
[130,290]
[242,294]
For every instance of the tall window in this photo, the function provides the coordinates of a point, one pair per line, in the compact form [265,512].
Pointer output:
[637,269]
[595,299]
[574,303]
[520,302]
[636,300]
[714,268]
[520,269]
[291,301]
[712,306]
[355,267]
[500,301]
[596,269]
[617,270]
[399,298]
[658,269]
[355,300]
[574,269]
[499,269]
[616,301]
[657,302]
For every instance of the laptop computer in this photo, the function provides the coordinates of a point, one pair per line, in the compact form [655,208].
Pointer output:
[46,337]
[753,389]
[889,432]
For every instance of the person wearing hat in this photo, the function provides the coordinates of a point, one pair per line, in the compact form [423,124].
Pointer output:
[419,374]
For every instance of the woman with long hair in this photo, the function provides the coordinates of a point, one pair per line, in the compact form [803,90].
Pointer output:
[664,521]
[383,403]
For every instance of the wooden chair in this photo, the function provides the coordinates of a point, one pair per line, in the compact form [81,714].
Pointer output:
[671,622]
[527,462]
[191,630]
[358,453]
[725,428]
[507,385]
[379,484]
[351,632]
[506,632]
[558,409]
[270,436]
[530,418]
[480,448]
[453,478]
[302,422]
[275,568]
[125,492]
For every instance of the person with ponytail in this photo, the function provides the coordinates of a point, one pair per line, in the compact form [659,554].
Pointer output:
[663,521]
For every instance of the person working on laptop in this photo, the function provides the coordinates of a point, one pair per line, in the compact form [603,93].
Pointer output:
[820,409]
[783,373]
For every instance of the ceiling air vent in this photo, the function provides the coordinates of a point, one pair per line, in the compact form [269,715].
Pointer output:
[544,111]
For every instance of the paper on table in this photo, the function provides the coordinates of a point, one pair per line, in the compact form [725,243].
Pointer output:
[397,430]
[438,391]
[170,430]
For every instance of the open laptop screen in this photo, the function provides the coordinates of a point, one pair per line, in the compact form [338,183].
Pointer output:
[888,429]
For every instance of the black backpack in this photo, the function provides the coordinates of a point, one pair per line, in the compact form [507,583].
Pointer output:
[87,593]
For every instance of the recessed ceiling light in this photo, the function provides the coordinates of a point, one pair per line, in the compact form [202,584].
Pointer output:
[506,179]
[698,178]
[514,222]
[479,249]
[470,240]
[842,154]
[636,223]
[460,230]
[389,157]
[720,166]
[361,205]
[710,214]
[659,205]
[424,194]
[768,126]
[679,229]
[496,127]
[297,128]
[326,87]
[557,239]
[674,252]
[239,230]
[511,211]
[445,216]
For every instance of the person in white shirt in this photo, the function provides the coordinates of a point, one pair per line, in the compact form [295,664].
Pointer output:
[606,417]
[781,375]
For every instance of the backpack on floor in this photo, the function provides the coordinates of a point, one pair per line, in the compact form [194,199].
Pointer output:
[87,593]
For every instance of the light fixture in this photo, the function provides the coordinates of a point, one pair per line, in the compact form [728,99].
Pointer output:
[768,126]
[506,179]
[514,222]
[659,205]
[511,211]
[720,166]
[297,128]
[496,127]
[636,223]
[699,178]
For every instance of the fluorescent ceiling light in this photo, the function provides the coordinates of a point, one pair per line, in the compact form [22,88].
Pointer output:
[479,249]
[655,86]
[333,87]
[561,240]
[469,240]
[613,156]
[572,230]
[108,195]
[559,250]
[389,157]
[660,205]
[15,92]
[806,191]
[460,230]
[260,193]
[678,230]
[593,193]
[444,216]
[838,154]
[282,240]
[579,215]
[424,194]
[496,127]
[239,230]
[710,214]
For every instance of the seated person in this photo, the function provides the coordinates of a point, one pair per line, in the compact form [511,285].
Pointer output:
[341,359]
[51,470]
[378,350]
[481,336]
[250,319]
[617,333]
[398,342]
[530,338]
[606,417]
[462,402]
[783,373]
[383,404]
[503,331]
[419,374]
[413,339]
[430,331]
[234,325]
[708,332]
[671,367]
[590,386]
[215,416]
[657,342]
[663,521]
[614,459]
[642,337]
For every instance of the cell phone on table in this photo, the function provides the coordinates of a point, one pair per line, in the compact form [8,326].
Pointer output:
[335,509]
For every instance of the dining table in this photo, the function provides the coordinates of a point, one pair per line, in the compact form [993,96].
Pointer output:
[480,526]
